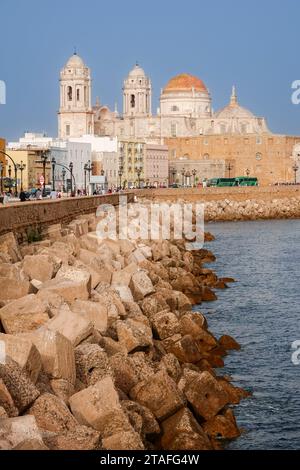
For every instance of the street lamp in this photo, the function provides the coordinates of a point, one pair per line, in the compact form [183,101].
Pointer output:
[85,171]
[295,168]
[44,159]
[173,173]
[229,167]
[21,167]
[9,176]
[183,175]
[120,173]
[63,178]
[194,172]
[15,167]
[71,171]
[1,176]
[53,163]
[88,167]
[138,170]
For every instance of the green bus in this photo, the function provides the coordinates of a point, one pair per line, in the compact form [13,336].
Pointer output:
[246,181]
[222,182]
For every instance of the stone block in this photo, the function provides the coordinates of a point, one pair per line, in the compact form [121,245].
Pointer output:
[24,314]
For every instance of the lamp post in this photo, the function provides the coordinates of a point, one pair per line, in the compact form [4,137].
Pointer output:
[9,176]
[120,173]
[1,176]
[194,172]
[71,171]
[53,163]
[21,167]
[183,175]
[173,173]
[63,178]
[229,167]
[44,159]
[16,170]
[89,167]
[85,171]
[295,168]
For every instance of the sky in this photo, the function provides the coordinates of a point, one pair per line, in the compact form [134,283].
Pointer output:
[251,44]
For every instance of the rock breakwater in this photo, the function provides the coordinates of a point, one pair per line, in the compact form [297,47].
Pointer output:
[100,347]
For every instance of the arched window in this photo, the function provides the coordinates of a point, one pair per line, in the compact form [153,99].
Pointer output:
[174,108]
[206,156]
[173,129]
[132,101]
[78,94]
[70,93]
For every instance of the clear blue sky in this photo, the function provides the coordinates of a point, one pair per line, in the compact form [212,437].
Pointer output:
[252,44]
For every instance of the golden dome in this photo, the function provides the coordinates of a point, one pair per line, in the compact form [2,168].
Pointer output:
[185,82]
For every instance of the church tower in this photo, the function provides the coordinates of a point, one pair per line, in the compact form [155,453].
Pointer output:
[75,116]
[137,94]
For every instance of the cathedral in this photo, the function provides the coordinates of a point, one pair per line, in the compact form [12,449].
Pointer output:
[185,109]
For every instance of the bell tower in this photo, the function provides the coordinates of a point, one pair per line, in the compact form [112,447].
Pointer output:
[75,116]
[137,94]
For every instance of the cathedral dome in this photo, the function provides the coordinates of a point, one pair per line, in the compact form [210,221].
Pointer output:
[75,61]
[234,110]
[137,71]
[185,82]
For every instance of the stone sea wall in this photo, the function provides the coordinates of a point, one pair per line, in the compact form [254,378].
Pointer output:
[101,349]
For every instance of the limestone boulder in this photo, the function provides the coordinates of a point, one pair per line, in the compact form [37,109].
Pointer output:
[136,256]
[126,440]
[134,335]
[52,414]
[96,277]
[154,304]
[141,285]
[184,348]
[14,282]
[62,389]
[176,300]
[206,395]
[98,406]
[165,324]
[18,432]
[192,323]
[75,274]
[73,326]
[229,343]
[24,314]
[182,432]
[9,247]
[69,289]
[222,426]
[78,438]
[57,354]
[91,363]
[39,267]
[123,370]
[18,384]
[93,312]
[160,394]
[141,418]
[6,402]
[171,365]
[124,293]
[121,278]
[24,353]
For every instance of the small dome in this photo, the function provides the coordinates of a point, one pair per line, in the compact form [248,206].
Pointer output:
[234,110]
[75,61]
[185,82]
[137,71]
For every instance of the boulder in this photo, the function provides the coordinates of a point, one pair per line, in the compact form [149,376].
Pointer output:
[171,365]
[78,438]
[93,312]
[14,282]
[6,402]
[70,290]
[39,267]
[18,384]
[141,285]
[16,432]
[136,256]
[160,394]
[222,426]
[24,353]
[184,348]
[153,304]
[193,324]
[206,395]
[3,413]
[57,354]
[24,314]
[134,334]
[52,414]
[124,293]
[182,432]
[228,343]
[98,406]
[121,278]
[126,440]
[165,324]
[75,274]
[96,277]
[72,325]
[62,389]
[141,419]
[91,363]
[125,376]
[176,300]
[9,247]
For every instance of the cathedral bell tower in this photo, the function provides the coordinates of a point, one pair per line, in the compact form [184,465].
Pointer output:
[137,94]
[75,116]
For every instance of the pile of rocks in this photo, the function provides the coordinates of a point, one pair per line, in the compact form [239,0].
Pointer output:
[100,348]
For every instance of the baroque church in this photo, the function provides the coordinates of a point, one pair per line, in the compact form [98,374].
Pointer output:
[185,109]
